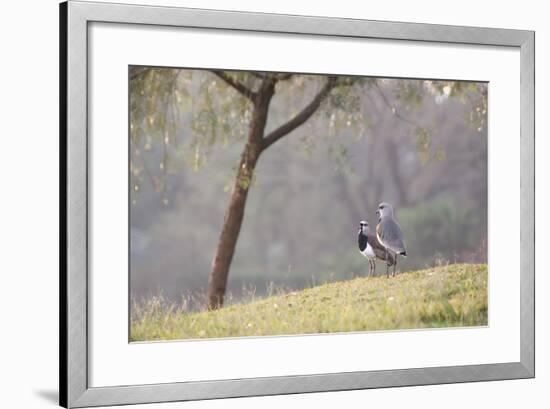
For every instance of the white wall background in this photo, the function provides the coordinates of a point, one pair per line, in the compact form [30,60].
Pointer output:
[29,204]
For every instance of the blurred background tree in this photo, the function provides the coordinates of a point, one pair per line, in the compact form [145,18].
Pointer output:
[419,144]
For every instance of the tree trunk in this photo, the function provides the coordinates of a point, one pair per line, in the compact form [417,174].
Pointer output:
[235,211]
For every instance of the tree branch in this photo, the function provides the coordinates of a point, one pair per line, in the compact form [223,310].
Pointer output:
[277,77]
[284,77]
[236,85]
[136,72]
[391,107]
[302,117]
[258,75]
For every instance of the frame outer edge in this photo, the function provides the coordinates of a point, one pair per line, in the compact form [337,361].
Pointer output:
[294,24]
[79,14]
[527,206]
[63,370]
[77,198]
[298,384]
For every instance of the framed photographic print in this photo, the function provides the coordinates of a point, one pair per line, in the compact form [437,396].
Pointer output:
[257,204]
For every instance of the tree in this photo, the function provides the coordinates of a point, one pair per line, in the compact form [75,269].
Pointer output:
[257,142]
[157,90]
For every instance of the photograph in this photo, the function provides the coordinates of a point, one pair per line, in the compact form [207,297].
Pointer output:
[282,203]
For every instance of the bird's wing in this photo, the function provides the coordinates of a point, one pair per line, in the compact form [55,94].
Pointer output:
[390,235]
[379,249]
[362,241]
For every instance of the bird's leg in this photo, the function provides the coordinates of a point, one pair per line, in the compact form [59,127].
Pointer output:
[387,265]
[374,267]
[370,267]
[394,265]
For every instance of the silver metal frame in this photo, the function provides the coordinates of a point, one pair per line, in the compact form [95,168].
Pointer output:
[74,19]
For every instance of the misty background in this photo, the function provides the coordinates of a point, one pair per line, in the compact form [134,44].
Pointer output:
[420,145]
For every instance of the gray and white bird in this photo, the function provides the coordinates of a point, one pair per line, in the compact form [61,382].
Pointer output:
[389,234]
[370,247]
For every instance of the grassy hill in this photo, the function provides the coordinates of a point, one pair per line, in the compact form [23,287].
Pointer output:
[447,296]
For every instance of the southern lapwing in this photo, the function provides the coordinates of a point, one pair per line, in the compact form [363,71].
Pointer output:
[370,247]
[389,234]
